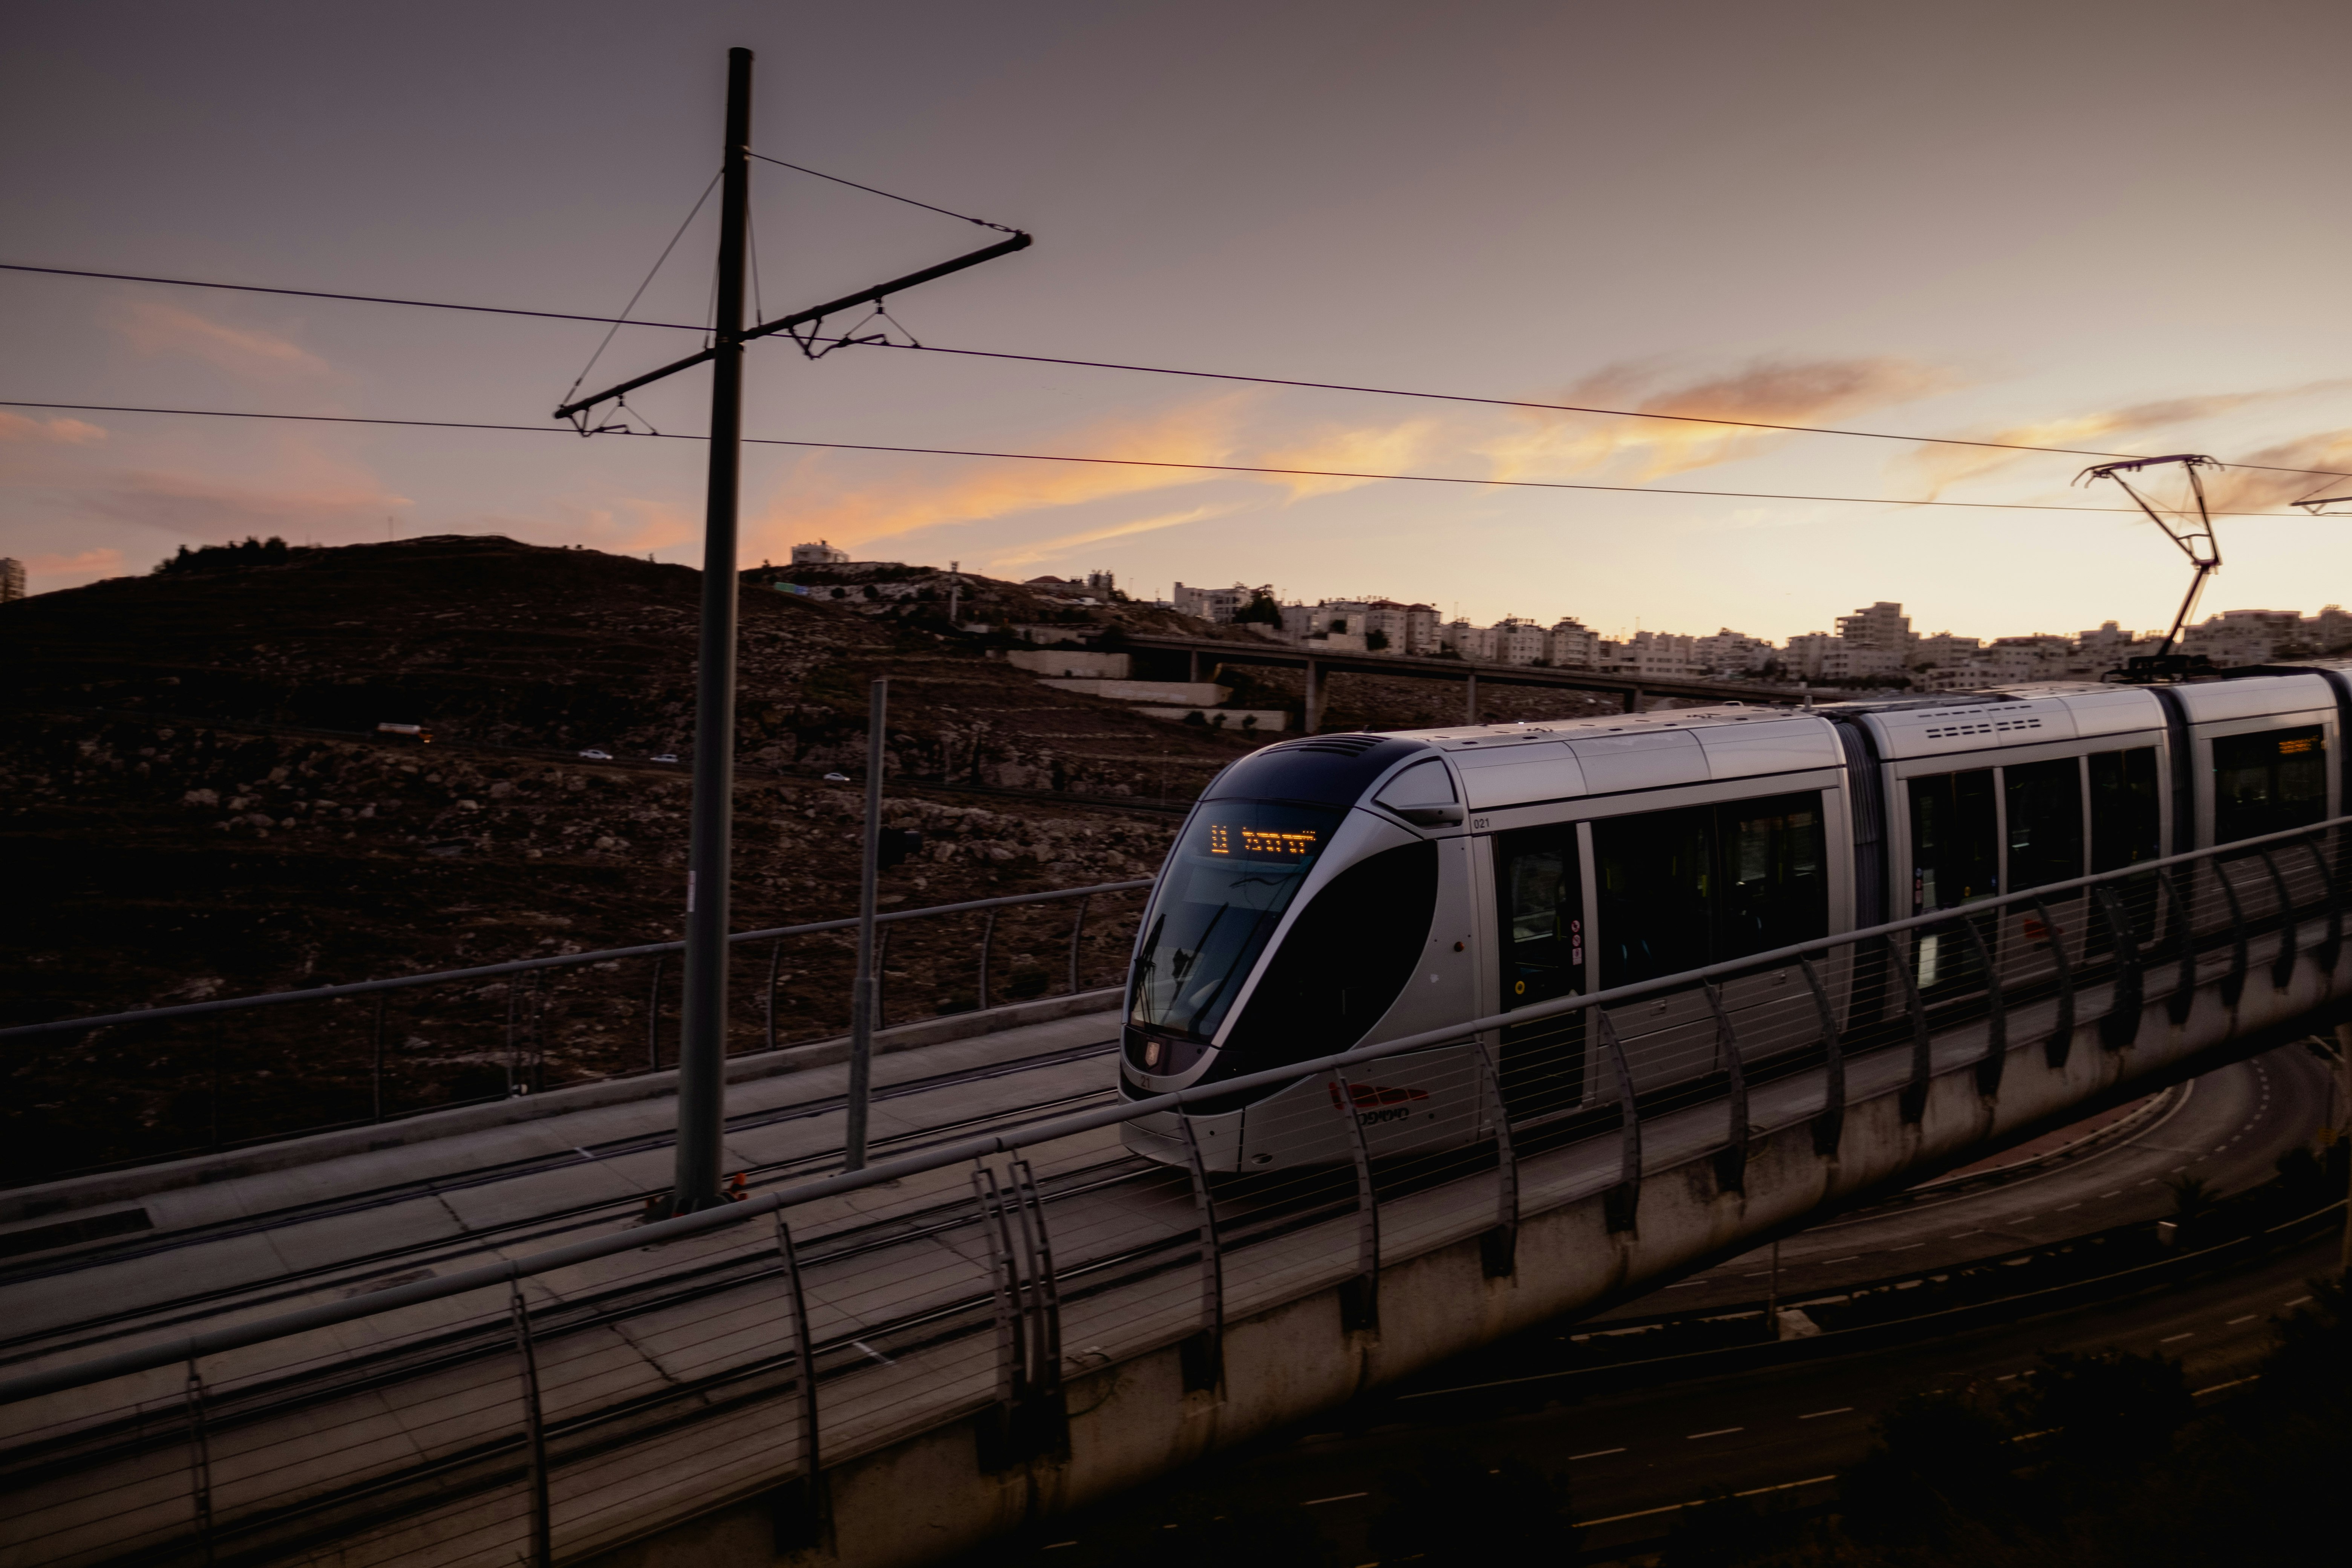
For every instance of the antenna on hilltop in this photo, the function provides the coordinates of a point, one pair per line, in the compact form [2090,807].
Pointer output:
[2193,537]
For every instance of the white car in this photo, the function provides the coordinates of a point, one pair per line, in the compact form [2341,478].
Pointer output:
[666,757]
[836,778]
[594,755]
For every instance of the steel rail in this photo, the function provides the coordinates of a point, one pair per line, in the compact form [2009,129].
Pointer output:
[683,1226]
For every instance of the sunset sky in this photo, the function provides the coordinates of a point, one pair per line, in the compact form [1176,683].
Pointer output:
[2098,225]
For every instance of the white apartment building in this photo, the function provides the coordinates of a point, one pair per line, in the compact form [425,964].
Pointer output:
[1730,653]
[1520,642]
[1572,645]
[1459,637]
[819,555]
[1656,653]
[12,579]
[1217,603]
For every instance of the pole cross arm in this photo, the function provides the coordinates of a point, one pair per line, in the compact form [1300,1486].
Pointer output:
[804,318]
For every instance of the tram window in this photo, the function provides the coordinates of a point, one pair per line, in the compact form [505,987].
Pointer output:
[1225,889]
[1654,875]
[1775,885]
[1342,963]
[1541,886]
[2268,782]
[1955,840]
[2127,818]
[2045,822]
[1680,889]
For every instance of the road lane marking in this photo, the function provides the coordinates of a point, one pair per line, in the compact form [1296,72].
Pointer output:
[1913,1247]
[2298,1301]
[2064,1208]
[2169,1339]
[2233,1383]
[1841,1410]
[1596,1453]
[1963,1236]
[1058,1545]
[1718,1432]
[1849,1258]
[1675,1506]
[2248,1318]
[1343,1497]
[1684,1284]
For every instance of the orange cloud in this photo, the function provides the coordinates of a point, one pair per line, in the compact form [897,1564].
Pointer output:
[816,504]
[151,327]
[2247,489]
[1051,548]
[1360,449]
[1773,392]
[63,431]
[1943,467]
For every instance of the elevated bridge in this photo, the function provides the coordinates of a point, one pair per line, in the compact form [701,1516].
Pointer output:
[1318,665]
[1014,1315]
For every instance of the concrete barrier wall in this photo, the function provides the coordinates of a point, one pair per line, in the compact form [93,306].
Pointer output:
[925,1498]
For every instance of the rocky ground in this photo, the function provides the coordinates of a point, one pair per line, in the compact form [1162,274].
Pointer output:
[193,804]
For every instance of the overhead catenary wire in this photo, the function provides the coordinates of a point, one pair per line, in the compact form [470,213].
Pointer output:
[622,319]
[1267,469]
[1234,377]
[892,196]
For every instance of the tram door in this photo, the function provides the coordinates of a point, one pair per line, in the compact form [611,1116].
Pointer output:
[1539,884]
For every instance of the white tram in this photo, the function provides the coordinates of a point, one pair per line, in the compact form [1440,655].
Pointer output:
[1341,891]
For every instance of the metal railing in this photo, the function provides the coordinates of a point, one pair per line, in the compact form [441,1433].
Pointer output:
[501,1027]
[560,1403]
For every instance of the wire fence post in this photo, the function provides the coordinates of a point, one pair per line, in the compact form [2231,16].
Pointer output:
[1829,1127]
[2120,1027]
[514,1053]
[1048,1421]
[2332,945]
[2234,984]
[1923,1054]
[1498,1248]
[652,1016]
[2180,882]
[542,1545]
[200,1460]
[2061,1042]
[996,1429]
[538,1032]
[1996,1052]
[1360,1298]
[375,1078]
[799,1512]
[1204,1354]
[987,937]
[882,974]
[775,959]
[1622,1203]
[2282,965]
[1731,1163]
[1078,929]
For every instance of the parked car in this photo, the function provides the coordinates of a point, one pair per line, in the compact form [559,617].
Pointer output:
[836,778]
[666,757]
[594,755]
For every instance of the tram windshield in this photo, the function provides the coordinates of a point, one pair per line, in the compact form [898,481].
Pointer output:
[1235,871]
